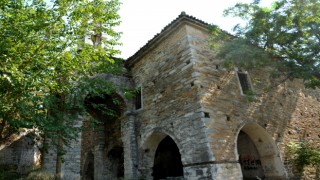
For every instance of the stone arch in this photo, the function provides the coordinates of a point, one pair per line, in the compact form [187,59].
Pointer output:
[98,138]
[156,135]
[105,134]
[119,85]
[150,145]
[101,107]
[265,148]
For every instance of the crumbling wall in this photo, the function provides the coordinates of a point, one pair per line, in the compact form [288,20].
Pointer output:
[21,156]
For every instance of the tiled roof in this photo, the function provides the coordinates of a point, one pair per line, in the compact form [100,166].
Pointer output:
[181,18]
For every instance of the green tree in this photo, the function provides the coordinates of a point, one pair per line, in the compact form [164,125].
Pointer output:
[46,62]
[285,37]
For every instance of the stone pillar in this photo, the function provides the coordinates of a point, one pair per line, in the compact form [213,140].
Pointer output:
[99,154]
[99,173]
[49,158]
[130,146]
[71,166]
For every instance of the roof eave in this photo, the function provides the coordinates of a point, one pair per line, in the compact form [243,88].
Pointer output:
[182,19]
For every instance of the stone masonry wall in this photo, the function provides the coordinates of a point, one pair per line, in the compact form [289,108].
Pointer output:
[287,112]
[99,141]
[22,156]
[170,103]
[70,168]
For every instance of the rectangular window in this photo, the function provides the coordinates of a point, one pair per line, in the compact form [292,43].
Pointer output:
[244,82]
[138,100]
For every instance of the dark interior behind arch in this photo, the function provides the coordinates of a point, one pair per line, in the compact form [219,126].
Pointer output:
[167,161]
[106,108]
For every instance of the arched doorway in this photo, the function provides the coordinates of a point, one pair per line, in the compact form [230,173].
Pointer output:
[89,167]
[116,163]
[101,132]
[167,161]
[258,154]
[106,108]
[249,157]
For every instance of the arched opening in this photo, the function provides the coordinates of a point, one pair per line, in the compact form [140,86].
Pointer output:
[249,157]
[116,162]
[258,154]
[167,161]
[101,132]
[89,167]
[106,108]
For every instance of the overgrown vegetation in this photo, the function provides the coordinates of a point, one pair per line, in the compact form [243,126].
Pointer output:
[285,37]
[302,154]
[49,53]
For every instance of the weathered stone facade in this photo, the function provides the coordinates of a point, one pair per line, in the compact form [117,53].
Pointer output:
[194,121]
[189,96]
[22,155]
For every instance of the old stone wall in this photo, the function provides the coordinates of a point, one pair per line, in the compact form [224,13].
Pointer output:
[191,102]
[170,104]
[99,140]
[22,156]
[304,125]
[287,112]
[70,167]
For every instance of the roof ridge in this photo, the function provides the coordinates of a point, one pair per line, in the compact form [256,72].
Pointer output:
[183,15]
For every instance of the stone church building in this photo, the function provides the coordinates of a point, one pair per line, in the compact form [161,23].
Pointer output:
[192,118]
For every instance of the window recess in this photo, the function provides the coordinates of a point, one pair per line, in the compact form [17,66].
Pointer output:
[138,99]
[244,81]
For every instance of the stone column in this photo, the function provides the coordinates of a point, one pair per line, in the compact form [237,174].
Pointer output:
[99,154]
[130,146]
[71,166]
[49,159]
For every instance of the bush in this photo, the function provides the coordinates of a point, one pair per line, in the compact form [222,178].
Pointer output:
[6,174]
[303,154]
[40,175]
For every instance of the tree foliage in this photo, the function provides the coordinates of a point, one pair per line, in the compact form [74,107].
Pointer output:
[46,61]
[285,36]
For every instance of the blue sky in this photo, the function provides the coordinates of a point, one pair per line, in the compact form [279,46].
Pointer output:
[143,19]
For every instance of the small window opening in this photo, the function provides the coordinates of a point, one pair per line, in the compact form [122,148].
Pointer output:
[244,82]
[206,115]
[217,66]
[138,100]
[192,84]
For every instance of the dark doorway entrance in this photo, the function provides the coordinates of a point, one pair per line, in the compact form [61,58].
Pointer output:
[116,162]
[249,158]
[89,167]
[167,161]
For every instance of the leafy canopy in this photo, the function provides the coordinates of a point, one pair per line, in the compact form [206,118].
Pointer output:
[46,61]
[285,36]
